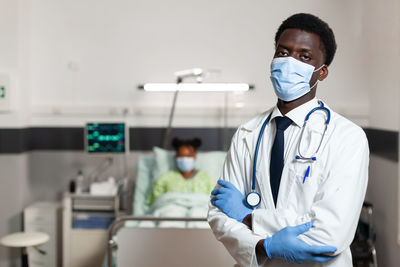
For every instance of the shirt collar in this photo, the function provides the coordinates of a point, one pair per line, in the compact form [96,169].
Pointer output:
[297,115]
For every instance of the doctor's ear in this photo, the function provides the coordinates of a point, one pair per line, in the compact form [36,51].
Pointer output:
[323,73]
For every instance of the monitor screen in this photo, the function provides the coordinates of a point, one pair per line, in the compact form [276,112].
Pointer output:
[105,138]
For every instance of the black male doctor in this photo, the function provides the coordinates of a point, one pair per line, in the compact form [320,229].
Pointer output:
[311,170]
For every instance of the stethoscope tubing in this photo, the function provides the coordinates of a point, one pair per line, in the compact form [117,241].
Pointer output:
[328,119]
[253,186]
[299,156]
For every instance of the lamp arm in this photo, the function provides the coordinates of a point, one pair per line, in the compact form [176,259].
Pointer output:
[171,115]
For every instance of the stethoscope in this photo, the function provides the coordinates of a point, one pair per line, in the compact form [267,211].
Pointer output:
[253,198]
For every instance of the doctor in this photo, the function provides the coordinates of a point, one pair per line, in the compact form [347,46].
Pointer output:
[302,201]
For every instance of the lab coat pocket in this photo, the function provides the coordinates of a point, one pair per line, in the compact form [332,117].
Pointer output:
[303,191]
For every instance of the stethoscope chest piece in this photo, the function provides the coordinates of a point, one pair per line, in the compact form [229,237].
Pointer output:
[253,199]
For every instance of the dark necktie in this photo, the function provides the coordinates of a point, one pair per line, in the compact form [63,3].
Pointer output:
[276,165]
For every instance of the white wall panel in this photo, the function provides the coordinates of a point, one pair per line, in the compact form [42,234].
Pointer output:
[116,45]
[13,199]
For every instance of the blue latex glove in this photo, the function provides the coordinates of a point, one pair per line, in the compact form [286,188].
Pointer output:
[230,201]
[285,245]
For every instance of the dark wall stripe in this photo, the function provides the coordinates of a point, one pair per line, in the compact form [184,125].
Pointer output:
[382,142]
[213,138]
[56,139]
[13,140]
[21,140]
[44,138]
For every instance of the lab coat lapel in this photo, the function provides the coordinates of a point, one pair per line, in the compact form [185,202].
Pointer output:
[263,178]
[251,141]
[262,166]
[251,130]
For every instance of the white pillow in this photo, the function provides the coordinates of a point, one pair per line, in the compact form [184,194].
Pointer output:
[210,162]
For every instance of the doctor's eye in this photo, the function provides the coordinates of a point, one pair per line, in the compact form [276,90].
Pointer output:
[280,53]
[305,58]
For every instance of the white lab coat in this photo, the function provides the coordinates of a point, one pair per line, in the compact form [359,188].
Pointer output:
[331,197]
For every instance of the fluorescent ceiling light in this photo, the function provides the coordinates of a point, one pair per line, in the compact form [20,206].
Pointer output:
[196,87]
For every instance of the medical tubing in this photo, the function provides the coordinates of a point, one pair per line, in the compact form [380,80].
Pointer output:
[322,138]
[300,156]
[320,108]
[253,186]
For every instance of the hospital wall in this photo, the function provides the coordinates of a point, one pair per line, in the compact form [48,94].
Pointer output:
[86,58]
[381,55]
[76,61]
[13,166]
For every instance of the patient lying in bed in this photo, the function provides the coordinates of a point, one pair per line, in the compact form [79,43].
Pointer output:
[186,178]
[183,192]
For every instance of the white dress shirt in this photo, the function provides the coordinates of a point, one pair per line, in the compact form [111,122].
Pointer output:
[331,197]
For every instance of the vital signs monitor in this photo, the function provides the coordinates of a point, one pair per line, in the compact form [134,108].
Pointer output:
[106,138]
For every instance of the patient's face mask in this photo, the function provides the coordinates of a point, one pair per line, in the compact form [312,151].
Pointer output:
[185,164]
[291,77]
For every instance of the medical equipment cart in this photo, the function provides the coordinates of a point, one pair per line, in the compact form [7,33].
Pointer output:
[85,224]
[44,217]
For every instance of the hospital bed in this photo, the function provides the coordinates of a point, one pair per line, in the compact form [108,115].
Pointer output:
[132,242]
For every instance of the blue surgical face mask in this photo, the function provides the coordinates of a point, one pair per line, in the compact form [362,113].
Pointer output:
[291,77]
[185,164]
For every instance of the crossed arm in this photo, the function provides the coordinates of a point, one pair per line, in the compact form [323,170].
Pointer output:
[284,244]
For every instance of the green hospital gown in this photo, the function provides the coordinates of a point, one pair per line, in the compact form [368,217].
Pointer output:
[173,181]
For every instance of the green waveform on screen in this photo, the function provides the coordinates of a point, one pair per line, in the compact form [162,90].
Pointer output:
[107,137]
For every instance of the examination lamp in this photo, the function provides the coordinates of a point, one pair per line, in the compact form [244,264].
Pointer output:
[197,73]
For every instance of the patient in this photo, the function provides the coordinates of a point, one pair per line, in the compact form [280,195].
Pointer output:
[186,178]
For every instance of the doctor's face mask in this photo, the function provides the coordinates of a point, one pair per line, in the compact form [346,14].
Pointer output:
[291,77]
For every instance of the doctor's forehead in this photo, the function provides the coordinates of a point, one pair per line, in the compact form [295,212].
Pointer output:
[299,40]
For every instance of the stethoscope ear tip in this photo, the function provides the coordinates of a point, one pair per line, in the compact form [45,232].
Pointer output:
[314,158]
[297,157]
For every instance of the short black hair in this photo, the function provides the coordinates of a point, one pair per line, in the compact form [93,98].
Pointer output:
[177,143]
[311,24]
